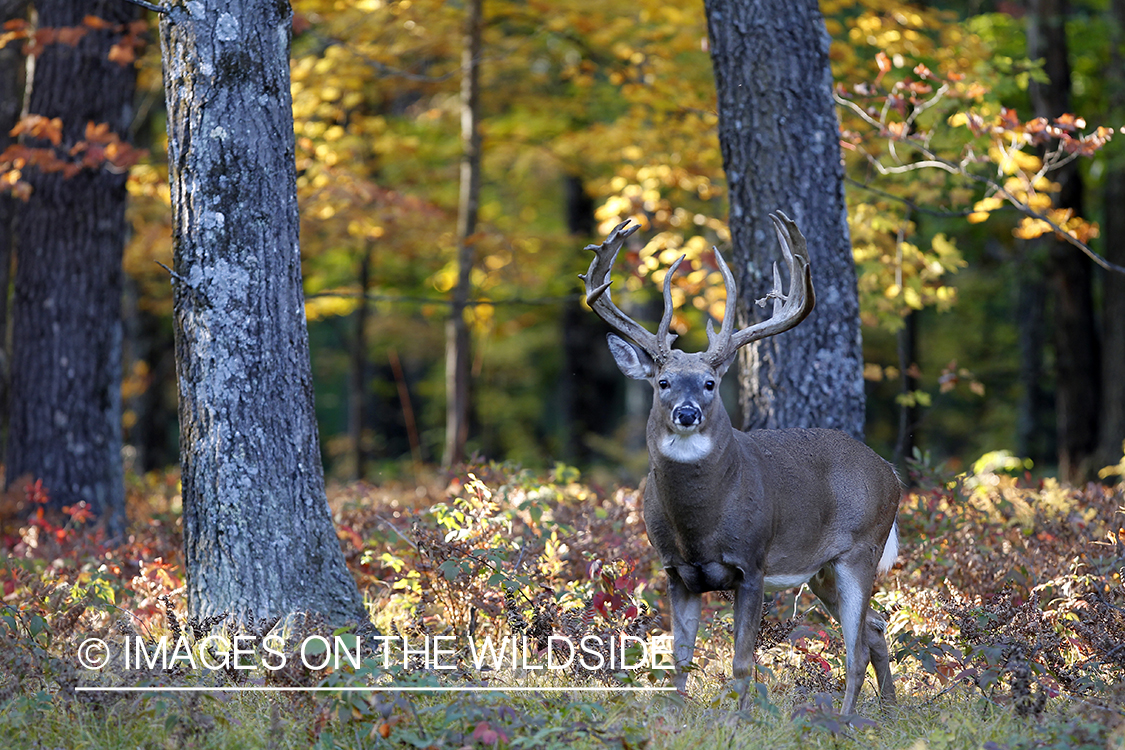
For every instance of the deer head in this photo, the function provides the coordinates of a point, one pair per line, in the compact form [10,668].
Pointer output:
[686,386]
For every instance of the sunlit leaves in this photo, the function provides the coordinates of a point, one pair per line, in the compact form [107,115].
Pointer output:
[896,276]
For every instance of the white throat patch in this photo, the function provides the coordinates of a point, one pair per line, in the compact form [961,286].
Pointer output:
[685,449]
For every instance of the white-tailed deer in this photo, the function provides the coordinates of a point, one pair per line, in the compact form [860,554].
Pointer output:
[757,511]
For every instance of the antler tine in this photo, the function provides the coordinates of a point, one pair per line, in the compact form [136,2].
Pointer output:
[663,338]
[598,295]
[789,309]
[727,326]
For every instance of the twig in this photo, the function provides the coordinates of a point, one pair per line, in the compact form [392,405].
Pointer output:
[175,275]
[438,301]
[911,204]
[959,168]
[148,6]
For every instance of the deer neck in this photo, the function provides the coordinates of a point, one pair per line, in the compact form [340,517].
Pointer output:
[686,462]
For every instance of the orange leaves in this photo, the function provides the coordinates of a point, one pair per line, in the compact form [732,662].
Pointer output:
[37,126]
[100,149]
[123,51]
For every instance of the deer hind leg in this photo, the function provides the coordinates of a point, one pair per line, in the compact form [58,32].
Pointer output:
[687,608]
[839,587]
[880,655]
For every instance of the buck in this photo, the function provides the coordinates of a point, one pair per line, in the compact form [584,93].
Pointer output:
[753,511]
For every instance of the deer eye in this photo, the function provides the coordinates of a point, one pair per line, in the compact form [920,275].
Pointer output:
[663,383]
[709,385]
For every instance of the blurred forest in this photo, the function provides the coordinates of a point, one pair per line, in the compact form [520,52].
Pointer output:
[593,112]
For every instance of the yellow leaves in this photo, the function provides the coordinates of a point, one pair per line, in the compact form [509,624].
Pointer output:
[895,277]
[983,207]
[331,305]
[1013,161]
[1031,227]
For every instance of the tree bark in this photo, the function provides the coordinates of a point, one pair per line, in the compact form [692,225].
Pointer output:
[66,342]
[780,142]
[457,362]
[1077,349]
[12,65]
[258,534]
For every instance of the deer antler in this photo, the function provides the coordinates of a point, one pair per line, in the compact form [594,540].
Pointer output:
[788,309]
[597,280]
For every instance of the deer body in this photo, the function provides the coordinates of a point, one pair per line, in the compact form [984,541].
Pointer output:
[757,511]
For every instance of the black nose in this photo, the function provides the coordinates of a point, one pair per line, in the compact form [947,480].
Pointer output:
[686,415]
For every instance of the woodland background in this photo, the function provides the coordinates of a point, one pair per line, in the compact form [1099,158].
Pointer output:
[974,325]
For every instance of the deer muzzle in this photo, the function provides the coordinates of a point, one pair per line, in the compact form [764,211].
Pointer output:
[687,415]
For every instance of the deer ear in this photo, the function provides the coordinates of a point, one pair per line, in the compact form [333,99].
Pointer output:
[632,360]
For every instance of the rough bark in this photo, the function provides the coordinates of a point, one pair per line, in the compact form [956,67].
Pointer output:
[258,534]
[1077,349]
[780,143]
[457,340]
[66,313]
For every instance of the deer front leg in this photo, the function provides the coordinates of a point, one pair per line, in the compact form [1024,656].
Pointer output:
[686,610]
[748,600]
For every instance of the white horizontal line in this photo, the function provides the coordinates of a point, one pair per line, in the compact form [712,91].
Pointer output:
[388,688]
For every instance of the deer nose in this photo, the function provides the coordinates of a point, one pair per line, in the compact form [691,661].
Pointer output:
[687,415]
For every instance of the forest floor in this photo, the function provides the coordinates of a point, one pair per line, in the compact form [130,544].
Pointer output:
[1006,624]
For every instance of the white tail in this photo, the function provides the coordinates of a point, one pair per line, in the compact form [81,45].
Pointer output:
[730,510]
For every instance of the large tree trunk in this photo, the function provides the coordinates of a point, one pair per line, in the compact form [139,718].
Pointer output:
[780,142]
[258,535]
[66,342]
[457,330]
[1077,352]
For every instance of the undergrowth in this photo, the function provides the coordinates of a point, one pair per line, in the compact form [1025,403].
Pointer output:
[1005,610]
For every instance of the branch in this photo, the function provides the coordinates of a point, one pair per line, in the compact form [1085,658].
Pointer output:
[909,203]
[440,301]
[934,161]
[148,6]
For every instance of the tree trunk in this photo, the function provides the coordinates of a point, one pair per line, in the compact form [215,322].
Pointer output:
[66,341]
[1113,292]
[258,534]
[1077,351]
[1033,420]
[457,330]
[1113,319]
[907,340]
[12,65]
[357,385]
[780,143]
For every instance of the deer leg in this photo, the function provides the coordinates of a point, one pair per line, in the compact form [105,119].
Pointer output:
[880,655]
[823,584]
[687,608]
[748,601]
[854,595]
